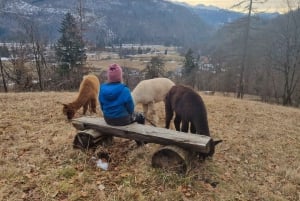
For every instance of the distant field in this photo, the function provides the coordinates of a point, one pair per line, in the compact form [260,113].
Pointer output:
[98,61]
[259,158]
[101,60]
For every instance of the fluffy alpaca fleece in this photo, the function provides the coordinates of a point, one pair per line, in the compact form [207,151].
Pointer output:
[87,97]
[189,109]
[148,92]
[190,112]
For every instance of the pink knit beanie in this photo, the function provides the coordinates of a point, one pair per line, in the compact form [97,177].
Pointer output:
[114,73]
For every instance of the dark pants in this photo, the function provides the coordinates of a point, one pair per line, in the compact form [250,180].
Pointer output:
[123,121]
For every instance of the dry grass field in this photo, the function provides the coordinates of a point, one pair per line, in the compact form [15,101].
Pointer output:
[259,158]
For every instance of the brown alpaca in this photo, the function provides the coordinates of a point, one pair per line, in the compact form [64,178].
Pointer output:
[190,113]
[88,96]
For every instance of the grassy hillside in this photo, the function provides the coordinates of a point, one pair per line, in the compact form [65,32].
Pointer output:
[259,158]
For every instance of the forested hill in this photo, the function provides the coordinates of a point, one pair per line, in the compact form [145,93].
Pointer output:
[127,21]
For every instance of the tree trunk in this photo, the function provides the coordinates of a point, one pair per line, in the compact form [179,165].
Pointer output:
[240,92]
[3,77]
[37,57]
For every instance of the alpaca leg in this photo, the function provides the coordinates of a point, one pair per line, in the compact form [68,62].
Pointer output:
[85,107]
[90,106]
[193,128]
[93,106]
[152,113]
[185,126]
[169,114]
[177,122]
[155,116]
[145,110]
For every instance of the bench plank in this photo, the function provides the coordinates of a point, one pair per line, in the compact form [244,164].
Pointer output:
[150,134]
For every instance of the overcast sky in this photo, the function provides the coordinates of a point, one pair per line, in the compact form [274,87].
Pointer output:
[270,6]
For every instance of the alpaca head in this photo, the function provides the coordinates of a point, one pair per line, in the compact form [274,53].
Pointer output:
[212,149]
[68,111]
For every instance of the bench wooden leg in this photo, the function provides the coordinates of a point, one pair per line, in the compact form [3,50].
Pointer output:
[90,138]
[173,158]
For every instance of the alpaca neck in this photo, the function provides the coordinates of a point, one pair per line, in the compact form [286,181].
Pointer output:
[77,103]
[203,128]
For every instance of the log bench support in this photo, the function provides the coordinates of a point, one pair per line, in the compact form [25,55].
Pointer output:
[179,149]
[91,139]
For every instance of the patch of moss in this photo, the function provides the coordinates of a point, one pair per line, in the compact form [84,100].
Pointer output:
[67,172]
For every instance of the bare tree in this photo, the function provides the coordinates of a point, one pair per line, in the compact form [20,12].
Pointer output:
[2,3]
[4,52]
[3,76]
[38,50]
[240,92]
[17,71]
[284,52]
[84,20]
[249,6]
[81,15]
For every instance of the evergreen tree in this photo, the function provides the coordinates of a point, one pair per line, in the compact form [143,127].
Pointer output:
[70,50]
[4,52]
[189,63]
[155,68]
[190,68]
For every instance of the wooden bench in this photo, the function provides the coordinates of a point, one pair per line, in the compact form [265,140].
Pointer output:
[180,147]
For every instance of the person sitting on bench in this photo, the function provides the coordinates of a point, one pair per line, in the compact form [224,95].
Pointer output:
[116,101]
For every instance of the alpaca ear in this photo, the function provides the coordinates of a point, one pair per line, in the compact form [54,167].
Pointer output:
[61,103]
[217,142]
[58,102]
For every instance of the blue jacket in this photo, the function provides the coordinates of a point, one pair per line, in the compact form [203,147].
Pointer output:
[115,100]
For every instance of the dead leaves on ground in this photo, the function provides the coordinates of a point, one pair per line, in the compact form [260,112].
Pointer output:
[258,159]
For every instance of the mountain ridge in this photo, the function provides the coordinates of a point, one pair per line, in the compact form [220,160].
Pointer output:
[116,21]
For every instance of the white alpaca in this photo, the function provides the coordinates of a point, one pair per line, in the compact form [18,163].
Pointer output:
[149,92]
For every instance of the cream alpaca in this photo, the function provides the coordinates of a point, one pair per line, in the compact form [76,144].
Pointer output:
[151,91]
